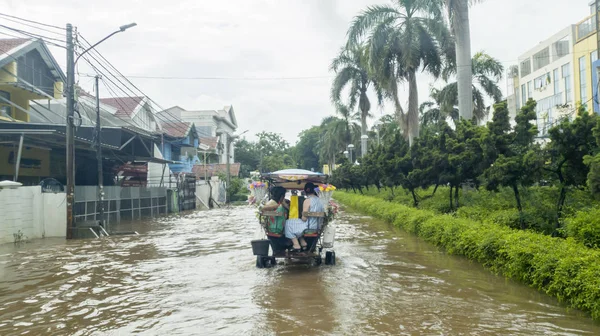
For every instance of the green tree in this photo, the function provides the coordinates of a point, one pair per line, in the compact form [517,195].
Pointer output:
[517,160]
[273,152]
[247,154]
[570,143]
[351,70]
[405,37]
[306,150]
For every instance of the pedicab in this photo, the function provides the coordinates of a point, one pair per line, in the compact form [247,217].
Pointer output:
[273,237]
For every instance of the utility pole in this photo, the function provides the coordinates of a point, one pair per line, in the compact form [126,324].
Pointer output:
[100,200]
[228,164]
[70,130]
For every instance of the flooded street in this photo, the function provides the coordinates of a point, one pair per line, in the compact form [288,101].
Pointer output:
[195,275]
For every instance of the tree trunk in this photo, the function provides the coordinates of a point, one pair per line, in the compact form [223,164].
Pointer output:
[519,206]
[412,117]
[415,200]
[560,204]
[435,189]
[451,203]
[464,71]
[363,133]
[456,189]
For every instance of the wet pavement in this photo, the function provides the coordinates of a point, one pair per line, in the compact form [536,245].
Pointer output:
[196,275]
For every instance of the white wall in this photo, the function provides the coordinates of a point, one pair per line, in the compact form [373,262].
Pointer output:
[203,191]
[158,171]
[35,214]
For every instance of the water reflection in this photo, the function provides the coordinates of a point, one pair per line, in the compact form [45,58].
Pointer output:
[194,275]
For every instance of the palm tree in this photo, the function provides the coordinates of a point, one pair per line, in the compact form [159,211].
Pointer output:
[337,134]
[351,70]
[487,72]
[405,37]
[458,13]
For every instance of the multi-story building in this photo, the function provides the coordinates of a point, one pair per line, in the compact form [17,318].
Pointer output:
[546,75]
[585,59]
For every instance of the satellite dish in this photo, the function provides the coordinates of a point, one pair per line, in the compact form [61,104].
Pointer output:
[10,184]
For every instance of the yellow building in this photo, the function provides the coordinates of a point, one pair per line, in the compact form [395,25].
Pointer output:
[28,71]
[585,53]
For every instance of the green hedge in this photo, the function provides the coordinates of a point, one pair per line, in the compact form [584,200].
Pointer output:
[585,227]
[562,268]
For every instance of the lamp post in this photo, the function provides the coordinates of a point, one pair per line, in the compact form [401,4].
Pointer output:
[350,148]
[363,144]
[377,126]
[70,131]
[228,141]
[346,155]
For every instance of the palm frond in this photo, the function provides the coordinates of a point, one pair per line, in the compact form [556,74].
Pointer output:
[369,18]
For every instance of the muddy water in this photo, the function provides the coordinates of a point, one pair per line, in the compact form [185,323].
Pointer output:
[195,275]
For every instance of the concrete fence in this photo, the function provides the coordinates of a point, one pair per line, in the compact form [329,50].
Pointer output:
[27,213]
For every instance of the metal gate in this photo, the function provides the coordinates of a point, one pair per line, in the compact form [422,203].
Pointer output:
[187,192]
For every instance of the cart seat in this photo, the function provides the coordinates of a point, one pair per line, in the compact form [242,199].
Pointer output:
[274,235]
[311,233]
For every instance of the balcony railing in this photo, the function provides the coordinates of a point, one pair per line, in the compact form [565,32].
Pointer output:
[586,27]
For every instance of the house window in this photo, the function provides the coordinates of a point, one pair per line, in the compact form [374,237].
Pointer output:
[541,82]
[529,90]
[525,68]
[555,79]
[566,75]
[582,80]
[5,108]
[523,95]
[541,59]
[561,48]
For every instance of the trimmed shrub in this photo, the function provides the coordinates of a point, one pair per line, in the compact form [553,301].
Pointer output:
[585,227]
[563,268]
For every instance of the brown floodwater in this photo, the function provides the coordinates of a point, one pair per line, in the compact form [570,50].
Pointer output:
[195,275]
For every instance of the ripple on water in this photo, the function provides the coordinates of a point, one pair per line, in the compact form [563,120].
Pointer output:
[196,272]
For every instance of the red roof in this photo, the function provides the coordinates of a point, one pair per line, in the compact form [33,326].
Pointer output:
[211,142]
[214,169]
[124,105]
[7,45]
[178,129]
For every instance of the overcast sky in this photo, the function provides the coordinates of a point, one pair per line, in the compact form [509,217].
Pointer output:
[249,39]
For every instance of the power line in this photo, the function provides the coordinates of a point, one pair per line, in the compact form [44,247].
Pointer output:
[230,78]
[31,21]
[34,27]
[156,115]
[121,89]
[30,34]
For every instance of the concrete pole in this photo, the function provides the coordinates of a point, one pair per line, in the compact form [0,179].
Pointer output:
[100,196]
[70,131]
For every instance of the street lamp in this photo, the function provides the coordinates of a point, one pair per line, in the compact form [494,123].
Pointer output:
[377,126]
[363,145]
[350,148]
[121,29]
[228,141]
[70,133]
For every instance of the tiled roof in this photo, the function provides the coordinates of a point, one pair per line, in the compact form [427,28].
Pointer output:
[211,142]
[7,45]
[215,169]
[124,105]
[178,129]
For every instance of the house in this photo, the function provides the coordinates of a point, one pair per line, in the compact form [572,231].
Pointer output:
[211,123]
[206,171]
[28,71]
[585,61]
[136,111]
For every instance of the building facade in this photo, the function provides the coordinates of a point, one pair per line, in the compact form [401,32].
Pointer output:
[585,59]
[546,74]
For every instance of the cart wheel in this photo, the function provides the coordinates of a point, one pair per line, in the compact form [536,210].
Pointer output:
[260,262]
[329,258]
